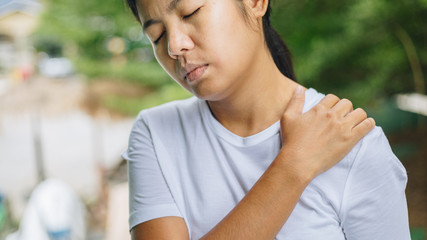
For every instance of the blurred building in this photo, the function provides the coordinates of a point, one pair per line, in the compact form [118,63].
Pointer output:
[18,20]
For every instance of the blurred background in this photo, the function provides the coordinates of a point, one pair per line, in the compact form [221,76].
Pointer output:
[75,73]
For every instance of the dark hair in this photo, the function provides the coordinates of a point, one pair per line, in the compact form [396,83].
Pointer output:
[278,49]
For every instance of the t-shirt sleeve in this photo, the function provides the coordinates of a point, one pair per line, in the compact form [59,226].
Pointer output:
[374,202]
[149,194]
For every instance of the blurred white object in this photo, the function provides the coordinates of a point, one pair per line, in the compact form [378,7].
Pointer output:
[414,102]
[56,67]
[4,86]
[118,213]
[54,212]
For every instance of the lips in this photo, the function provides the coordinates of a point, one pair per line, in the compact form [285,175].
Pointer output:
[193,72]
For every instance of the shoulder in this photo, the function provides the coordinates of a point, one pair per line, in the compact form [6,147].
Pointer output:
[170,109]
[164,121]
[372,152]
[375,189]
[312,97]
[374,158]
[167,123]
[369,164]
[170,113]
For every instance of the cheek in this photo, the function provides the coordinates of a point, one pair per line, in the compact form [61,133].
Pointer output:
[229,36]
[168,65]
[165,61]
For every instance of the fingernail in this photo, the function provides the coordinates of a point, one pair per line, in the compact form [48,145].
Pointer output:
[372,121]
[299,89]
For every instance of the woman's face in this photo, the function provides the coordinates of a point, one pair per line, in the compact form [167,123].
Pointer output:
[207,46]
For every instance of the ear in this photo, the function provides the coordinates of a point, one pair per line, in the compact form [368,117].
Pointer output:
[257,7]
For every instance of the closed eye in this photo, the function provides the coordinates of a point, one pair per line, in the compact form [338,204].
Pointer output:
[191,14]
[184,17]
[158,39]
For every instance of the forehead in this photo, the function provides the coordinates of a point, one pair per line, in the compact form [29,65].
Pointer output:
[148,9]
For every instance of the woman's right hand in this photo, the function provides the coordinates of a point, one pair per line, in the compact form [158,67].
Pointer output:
[318,139]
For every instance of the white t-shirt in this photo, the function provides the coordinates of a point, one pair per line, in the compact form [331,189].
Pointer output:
[183,162]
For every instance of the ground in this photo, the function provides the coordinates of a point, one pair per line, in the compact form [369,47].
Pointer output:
[69,105]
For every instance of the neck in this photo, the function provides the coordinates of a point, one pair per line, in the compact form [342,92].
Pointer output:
[258,102]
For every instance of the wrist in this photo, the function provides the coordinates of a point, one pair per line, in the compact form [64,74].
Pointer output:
[294,168]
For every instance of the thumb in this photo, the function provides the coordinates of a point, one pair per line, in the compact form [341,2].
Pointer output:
[296,103]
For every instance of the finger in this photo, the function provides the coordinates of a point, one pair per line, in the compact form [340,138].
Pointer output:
[343,107]
[356,116]
[363,128]
[329,101]
[296,103]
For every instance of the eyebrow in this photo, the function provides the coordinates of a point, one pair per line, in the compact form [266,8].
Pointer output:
[171,7]
[149,23]
[173,4]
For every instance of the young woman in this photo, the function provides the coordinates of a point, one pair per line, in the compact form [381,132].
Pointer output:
[254,155]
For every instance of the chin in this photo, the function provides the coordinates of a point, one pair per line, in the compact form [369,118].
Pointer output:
[204,96]
[208,92]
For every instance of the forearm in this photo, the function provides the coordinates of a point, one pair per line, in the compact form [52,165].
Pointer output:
[266,207]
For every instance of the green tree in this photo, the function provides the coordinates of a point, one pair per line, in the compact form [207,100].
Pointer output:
[88,25]
[353,48]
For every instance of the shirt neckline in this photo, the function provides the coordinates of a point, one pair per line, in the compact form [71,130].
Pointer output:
[233,138]
[252,140]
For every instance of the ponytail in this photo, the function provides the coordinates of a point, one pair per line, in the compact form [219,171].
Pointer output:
[132,5]
[278,49]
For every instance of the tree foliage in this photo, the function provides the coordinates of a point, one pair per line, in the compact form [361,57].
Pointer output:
[353,47]
[88,25]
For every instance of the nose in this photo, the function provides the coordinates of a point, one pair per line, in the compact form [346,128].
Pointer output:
[179,42]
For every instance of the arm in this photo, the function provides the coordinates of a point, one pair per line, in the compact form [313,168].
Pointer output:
[374,202]
[271,200]
[314,142]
